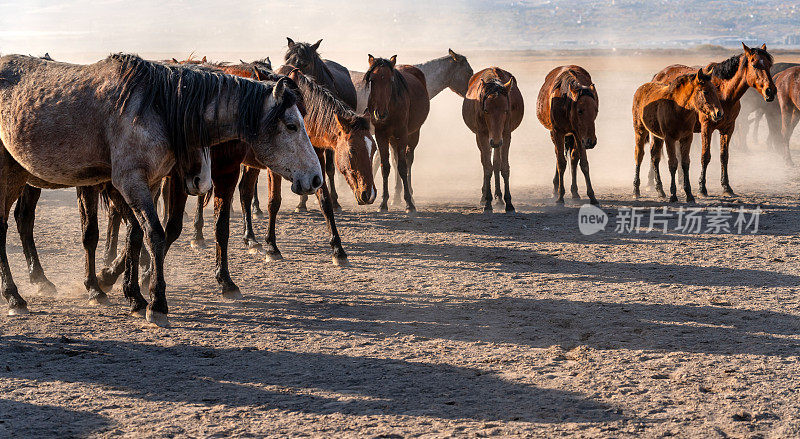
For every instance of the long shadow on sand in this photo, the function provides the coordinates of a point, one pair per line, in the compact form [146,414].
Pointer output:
[21,420]
[292,381]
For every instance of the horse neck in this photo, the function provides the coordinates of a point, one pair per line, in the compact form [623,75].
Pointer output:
[437,73]
[222,116]
[322,75]
[731,90]
[323,138]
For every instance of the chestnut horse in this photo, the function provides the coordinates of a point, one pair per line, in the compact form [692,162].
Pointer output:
[732,78]
[398,105]
[784,119]
[492,109]
[338,134]
[567,106]
[667,112]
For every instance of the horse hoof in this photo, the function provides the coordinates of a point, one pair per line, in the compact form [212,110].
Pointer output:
[729,193]
[411,211]
[341,262]
[673,199]
[157,318]
[510,208]
[488,209]
[258,213]
[198,244]
[99,300]
[18,311]
[384,208]
[233,294]
[254,250]
[576,196]
[337,208]
[273,257]
[560,201]
[300,209]
[594,202]
[139,313]
[46,288]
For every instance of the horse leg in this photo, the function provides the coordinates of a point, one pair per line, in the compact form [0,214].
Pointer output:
[256,205]
[413,141]
[399,146]
[640,138]
[673,168]
[724,144]
[330,169]
[326,205]
[134,188]
[651,173]
[112,235]
[25,216]
[383,148]
[497,162]
[87,203]
[174,206]
[789,119]
[574,157]
[561,163]
[247,188]
[12,180]
[585,170]
[129,259]
[273,205]
[488,169]
[224,186]
[198,241]
[705,157]
[505,169]
[685,149]
[398,182]
[656,149]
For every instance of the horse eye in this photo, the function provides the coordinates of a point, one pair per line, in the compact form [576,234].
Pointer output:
[291,127]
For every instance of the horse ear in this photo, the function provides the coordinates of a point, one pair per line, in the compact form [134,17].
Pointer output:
[269,63]
[746,49]
[702,77]
[290,42]
[510,84]
[175,61]
[393,60]
[574,91]
[764,47]
[204,59]
[371,59]
[277,90]
[344,122]
[315,46]
[453,54]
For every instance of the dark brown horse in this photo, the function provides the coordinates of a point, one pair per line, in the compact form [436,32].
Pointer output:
[398,105]
[567,106]
[784,118]
[492,109]
[732,78]
[667,113]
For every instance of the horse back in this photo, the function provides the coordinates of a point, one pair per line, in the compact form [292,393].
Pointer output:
[549,104]
[788,87]
[670,73]
[418,102]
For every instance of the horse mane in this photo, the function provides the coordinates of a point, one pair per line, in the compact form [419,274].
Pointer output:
[299,52]
[322,107]
[180,95]
[399,85]
[565,83]
[680,81]
[727,69]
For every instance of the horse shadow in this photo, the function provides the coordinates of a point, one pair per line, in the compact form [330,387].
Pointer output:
[312,383]
[21,419]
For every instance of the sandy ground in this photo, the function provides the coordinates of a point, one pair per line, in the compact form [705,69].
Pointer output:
[448,323]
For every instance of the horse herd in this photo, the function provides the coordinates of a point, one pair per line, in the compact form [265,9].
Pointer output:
[126,130]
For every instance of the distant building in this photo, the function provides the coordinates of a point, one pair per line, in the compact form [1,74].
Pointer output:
[735,41]
[792,40]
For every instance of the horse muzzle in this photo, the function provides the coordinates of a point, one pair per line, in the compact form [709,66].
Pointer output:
[197,185]
[717,116]
[367,197]
[769,94]
[494,144]
[590,144]
[307,184]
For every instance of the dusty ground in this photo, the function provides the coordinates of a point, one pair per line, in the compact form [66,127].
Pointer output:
[451,322]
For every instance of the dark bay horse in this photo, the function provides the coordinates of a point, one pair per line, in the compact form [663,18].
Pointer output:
[492,109]
[784,118]
[732,78]
[398,105]
[567,106]
[139,120]
[666,111]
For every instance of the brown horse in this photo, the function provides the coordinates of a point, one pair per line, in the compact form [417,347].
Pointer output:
[398,105]
[784,119]
[667,112]
[567,106]
[732,78]
[492,109]
[337,133]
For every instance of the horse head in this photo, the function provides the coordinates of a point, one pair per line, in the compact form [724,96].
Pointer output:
[758,63]
[353,156]
[380,77]
[460,73]
[496,106]
[705,98]
[583,112]
[304,56]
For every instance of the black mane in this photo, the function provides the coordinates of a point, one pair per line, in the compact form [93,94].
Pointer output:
[399,86]
[323,107]
[180,95]
[727,69]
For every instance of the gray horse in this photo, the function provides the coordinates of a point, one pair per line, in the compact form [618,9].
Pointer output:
[130,122]
[450,71]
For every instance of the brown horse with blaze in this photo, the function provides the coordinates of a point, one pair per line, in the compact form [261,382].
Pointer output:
[492,109]
[567,106]
[667,112]
[732,78]
[398,105]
